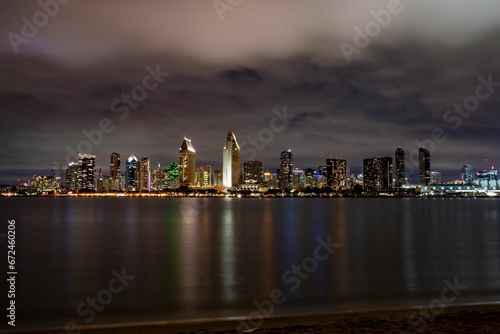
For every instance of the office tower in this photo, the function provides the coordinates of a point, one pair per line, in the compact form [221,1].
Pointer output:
[467,174]
[204,177]
[115,172]
[230,161]
[336,173]
[144,175]
[158,179]
[72,177]
[286,170]
[424,166]
[400,168]
[187,163]
[435,178]
[131,173]
[309,178]
[377,174]
[86,172]
[253,172]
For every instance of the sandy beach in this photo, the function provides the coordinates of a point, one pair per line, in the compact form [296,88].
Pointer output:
[462,319]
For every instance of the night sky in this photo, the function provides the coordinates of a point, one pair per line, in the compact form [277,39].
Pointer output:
[235,68]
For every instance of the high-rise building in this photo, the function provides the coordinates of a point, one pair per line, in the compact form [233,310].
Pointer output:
[72,177]
[144,175]
[115,172]
[424,166]
[204,177]
[253,172]
[131,173]
[187,163]
[159,179]
[467,174]
[286,170]
[336,173]
[400,168]
[86,172]
[377,174]
[435,178]
[310,178]
[230,161]
[298,178]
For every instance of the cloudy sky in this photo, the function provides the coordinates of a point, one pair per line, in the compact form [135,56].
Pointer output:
[236,65]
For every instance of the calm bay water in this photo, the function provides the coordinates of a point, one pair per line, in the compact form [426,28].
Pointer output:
[212,258]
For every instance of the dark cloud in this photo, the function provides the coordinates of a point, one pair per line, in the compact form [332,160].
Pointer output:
[236,74]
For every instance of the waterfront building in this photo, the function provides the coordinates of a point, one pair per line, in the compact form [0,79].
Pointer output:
[336,173]
[72,177]
[230,161]
[424,166]
[115,172]
[144,175]
[435,178]
[286,170]
[253,172]
[187,163]
[86,172]
[400,168]
[131,173]
[467,174]
[377,174]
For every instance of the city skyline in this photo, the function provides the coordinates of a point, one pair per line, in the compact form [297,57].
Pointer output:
[275,89]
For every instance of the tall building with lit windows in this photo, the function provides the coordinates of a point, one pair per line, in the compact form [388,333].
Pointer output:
[144,175]
[377,174]
[187,163]
[131,173]
[72,177]
[400,168]
[336,173]
[424,166]
[230,161]
[86,172]
[253,172]
[286,170]
[115,172]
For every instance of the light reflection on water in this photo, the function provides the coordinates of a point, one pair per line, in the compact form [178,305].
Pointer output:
[196,258]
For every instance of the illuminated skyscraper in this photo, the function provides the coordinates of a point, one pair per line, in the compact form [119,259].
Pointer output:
[131,174]
[336,171]
[377,174]
[144,175]
[86,172]
[230,161]
[286,170]
[72,177]
[187,163]
[400,168]
[424,166]
[253,172]
[204,177]
[115,172]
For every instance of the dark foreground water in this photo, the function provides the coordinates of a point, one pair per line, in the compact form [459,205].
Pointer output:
[191,258]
